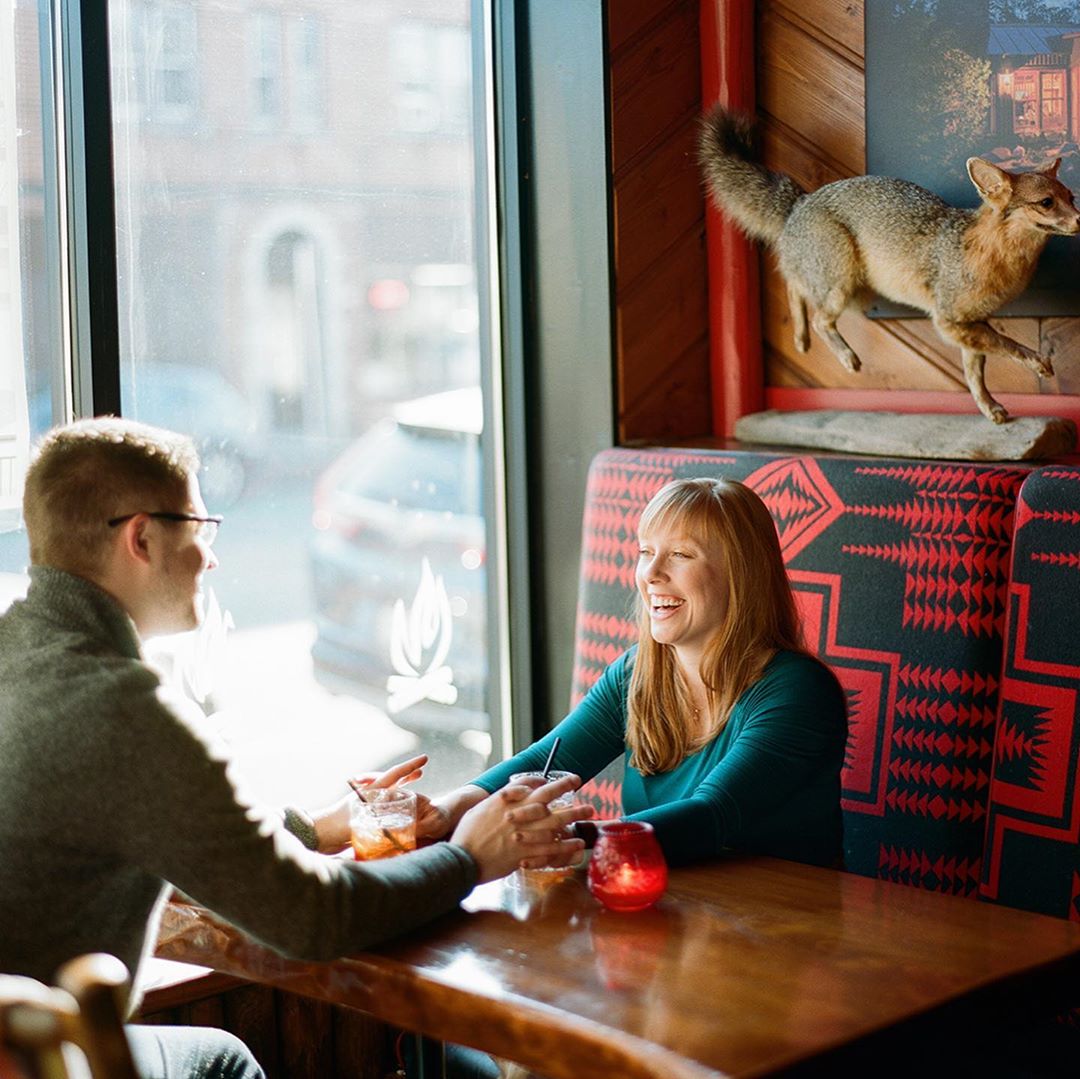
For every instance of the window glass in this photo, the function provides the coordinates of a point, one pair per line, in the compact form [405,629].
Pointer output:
[307,311]
[31,382]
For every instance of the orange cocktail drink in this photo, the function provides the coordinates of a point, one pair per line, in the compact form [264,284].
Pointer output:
[382,823]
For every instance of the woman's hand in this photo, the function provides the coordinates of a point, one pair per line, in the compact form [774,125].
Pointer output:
[432,819]
[332,822]
[406,772]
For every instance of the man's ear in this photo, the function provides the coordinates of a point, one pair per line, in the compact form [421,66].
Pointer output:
[134,538]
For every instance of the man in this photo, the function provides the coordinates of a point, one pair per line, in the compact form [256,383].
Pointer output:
[112,788]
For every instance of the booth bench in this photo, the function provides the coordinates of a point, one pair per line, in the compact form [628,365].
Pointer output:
[946,598]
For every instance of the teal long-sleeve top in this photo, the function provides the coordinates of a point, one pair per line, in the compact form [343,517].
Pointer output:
[768,783]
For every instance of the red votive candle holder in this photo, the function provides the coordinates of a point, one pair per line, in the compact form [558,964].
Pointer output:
[627,871]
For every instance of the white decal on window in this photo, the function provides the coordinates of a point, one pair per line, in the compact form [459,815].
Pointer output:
[425,631]
[192,662]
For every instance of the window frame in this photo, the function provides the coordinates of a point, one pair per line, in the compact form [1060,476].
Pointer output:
[558,325]
[77,129]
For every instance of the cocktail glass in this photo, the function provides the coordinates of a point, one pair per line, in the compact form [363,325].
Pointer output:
[382,823]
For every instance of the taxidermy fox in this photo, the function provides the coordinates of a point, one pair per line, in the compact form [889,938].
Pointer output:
[870,234]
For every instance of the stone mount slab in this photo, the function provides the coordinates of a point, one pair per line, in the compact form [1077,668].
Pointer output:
[935,436]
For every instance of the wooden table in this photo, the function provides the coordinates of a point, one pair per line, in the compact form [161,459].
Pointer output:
[744,967]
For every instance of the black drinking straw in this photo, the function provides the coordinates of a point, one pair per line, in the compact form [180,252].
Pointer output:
[550,758]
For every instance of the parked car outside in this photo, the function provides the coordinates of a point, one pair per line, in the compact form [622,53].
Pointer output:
[197,401]
[398,566]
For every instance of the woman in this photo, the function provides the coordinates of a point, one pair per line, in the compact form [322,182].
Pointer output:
[733,735]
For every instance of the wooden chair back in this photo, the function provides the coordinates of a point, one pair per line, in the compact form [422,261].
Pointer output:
[70,1030]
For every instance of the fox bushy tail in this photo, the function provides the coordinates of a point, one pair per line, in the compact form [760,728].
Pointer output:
[759,201]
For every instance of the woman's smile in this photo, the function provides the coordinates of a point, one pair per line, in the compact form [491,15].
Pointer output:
[683,586]
[664,607]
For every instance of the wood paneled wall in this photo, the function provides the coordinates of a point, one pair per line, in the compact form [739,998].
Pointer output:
[811,101]
[661,286]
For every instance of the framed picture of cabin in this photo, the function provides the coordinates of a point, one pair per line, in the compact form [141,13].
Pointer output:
[998,79]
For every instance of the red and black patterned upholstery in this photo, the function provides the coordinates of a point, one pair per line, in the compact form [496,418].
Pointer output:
[901,572]
[1033,826]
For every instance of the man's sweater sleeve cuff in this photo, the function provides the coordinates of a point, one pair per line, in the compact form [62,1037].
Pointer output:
[465,860]
[301,826]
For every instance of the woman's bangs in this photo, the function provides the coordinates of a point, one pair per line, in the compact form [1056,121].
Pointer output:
[688,510]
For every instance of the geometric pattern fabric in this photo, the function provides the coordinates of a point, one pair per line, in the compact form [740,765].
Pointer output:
[1033,827]
[900,570]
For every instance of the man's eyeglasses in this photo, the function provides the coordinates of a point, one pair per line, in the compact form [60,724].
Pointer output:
[208,526]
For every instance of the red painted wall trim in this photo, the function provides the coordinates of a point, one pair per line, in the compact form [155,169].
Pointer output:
[792,398]
[736,365]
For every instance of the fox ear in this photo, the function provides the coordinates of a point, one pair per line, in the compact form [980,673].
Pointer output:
[1051,169]
[992,183]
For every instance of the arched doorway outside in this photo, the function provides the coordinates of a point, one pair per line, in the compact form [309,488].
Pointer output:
[295,368]
[293,363]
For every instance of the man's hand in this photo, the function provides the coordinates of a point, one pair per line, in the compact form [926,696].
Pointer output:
[516,827]
[442,815]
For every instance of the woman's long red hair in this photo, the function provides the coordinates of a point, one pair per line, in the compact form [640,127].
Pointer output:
[759,619]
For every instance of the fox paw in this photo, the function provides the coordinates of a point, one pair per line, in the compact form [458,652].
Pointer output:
[1041,365]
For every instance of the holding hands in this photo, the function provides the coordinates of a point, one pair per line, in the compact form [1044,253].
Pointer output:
[516,827]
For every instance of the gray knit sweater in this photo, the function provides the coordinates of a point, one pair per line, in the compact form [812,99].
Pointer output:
[111,786]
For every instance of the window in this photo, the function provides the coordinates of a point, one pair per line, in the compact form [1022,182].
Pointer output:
[14,420]
[171,63]
[305,71]
[33,391]
[1053,101]
[311,319]
[1025,102]
[155,62]
[265,64]
[431,69]
[386,276]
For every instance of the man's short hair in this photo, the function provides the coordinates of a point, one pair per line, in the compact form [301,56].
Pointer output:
[85,473]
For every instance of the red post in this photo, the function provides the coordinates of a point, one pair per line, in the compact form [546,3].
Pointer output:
[738,374]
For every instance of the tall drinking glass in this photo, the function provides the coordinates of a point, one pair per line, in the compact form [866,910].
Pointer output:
[530,778]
